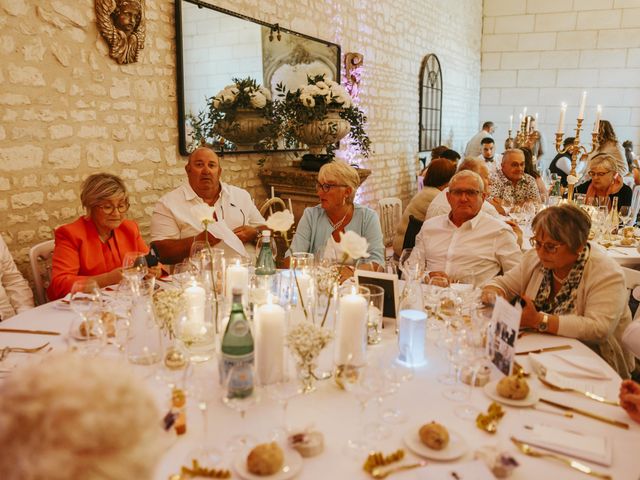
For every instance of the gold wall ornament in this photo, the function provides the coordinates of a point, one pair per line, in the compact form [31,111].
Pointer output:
[122,24]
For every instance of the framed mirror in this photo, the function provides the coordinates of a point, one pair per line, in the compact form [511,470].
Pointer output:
[214,45]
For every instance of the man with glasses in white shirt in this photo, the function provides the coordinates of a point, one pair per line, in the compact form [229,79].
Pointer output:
[174,226]
[467,242]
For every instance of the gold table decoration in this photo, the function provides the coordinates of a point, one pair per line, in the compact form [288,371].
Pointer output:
[489,421]
[198,470]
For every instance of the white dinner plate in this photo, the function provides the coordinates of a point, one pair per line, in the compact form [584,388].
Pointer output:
[619,243]
[529,400]
[456,448]
[291,467]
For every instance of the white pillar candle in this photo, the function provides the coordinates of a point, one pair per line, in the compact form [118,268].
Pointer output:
[195,301]
[237,276]
[351,335]
[270,330]
[596,126]
[563,111]
[583,102]
[290,205]
[273,192]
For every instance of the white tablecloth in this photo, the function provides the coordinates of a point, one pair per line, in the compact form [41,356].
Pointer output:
[335,413]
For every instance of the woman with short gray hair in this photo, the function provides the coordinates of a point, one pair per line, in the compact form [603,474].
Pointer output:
[605,184]
[570,287]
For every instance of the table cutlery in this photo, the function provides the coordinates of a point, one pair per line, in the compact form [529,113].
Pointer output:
[34,332]
[586,413]
[590,395]
[561,413]
[7,350]
[581,467]
[380,472]
[546,349]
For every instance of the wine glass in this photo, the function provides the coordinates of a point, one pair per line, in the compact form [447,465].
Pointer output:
[240,394]
[134,266]
[282,391]
[507,205]
[625,214]
[412,264]
[87,333]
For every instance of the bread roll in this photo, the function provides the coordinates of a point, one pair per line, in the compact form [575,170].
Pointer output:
[265,459]
[434,436]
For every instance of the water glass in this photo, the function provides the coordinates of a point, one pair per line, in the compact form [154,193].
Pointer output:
[376,309]
[412,337]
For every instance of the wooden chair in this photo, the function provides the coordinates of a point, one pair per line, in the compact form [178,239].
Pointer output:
[40,257]
[390,214]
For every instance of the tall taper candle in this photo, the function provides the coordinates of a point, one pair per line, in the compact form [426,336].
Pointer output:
[510,122]
[563,110]
[596,127]
[582,104]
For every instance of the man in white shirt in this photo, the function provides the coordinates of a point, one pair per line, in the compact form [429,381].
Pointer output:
[174,226]
[15,294]
[473,147]
[489,156]
[467,242]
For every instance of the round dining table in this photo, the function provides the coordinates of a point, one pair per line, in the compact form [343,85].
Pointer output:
[336,413]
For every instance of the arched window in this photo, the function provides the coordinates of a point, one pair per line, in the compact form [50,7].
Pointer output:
[430,103]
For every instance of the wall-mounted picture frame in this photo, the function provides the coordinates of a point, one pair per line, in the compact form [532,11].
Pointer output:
[389,282]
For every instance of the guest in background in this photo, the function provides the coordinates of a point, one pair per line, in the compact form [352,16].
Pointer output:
[467,242]
[608,143]
[605,182]
[174,226]
[570,287]
[73,417]
[451,155]
[631,336]
[474,147]
[15,294]
[561,163]
[489,155]
[511,183]
[530,169]
[320,227]
[632,161]
[437,179]
[630,398]
[536,142]
[435,153]
[509,144]
[95,244]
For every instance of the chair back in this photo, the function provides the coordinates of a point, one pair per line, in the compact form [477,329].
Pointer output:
[635,204]
[390,214]
[632,282]
[413,228]
[40,257]
[269,205]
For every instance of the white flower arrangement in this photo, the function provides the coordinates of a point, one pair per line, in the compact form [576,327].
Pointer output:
[353,246]
[306,341]
[167,303]
[572,179]
[203,213]
[280,221]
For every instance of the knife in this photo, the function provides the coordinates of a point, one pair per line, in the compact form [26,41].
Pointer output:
[35,332]
[586,413]
[547,349]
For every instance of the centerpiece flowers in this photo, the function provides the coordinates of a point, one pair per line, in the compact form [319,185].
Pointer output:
[319,114]
[242,112]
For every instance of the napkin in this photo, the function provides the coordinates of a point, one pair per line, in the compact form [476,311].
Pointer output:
[568,365]
[593,448]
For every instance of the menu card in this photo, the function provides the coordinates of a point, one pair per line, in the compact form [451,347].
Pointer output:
[504,334]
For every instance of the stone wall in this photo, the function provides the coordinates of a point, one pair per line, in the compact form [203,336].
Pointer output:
[67,109]
[539,53]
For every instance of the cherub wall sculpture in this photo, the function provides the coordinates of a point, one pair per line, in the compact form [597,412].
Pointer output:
[122,24]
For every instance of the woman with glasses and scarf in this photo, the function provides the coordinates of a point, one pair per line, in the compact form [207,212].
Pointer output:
[320,228]
[605,182]
[95,244]
[570,287]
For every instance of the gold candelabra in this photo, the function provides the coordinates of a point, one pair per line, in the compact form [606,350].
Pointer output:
[574,150]
[526,136]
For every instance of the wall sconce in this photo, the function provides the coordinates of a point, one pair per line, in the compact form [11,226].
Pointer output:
[353,62]
[275,28]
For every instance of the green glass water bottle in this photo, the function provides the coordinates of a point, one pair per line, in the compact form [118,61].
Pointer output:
[265,264]
[237,351]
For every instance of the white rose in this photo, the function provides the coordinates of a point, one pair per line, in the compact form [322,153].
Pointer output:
[227,96]
[257,100]
[233,88]
[280,221]
[572,179]
[354,245]
[265,91]
[311,90]
[331,83]
[307,100]
[216,102]
[202,212]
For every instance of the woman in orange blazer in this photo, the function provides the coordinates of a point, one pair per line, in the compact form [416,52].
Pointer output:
[94,245]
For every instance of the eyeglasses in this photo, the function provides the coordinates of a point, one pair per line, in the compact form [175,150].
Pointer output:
[598,174]
[460,192]
[109,208]
[547,247]
[325,187]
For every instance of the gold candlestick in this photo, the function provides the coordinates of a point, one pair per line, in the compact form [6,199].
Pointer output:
[574,150]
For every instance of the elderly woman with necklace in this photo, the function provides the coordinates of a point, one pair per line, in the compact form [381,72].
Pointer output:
[570,287]
[320,227]
[605,182]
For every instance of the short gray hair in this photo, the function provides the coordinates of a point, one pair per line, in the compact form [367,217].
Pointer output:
[99,187]
[603,160]
[468,174]
[341,172]
[565,223]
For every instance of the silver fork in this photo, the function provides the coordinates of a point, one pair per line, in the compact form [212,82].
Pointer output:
[4,352]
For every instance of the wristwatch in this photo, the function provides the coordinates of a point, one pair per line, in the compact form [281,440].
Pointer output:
[544,324]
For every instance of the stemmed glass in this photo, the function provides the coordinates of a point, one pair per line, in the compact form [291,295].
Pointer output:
[134,267]
[507,205]
[239,399]
[87,333]
[287,388]
[412,264]
[625,215]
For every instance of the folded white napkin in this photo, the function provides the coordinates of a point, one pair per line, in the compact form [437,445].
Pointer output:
[569,365]
[593,448]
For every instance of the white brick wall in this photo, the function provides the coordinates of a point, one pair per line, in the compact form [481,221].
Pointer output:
[574,45]
[67,109]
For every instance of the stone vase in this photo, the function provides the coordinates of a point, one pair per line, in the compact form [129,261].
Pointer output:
[246,128]
[320,133]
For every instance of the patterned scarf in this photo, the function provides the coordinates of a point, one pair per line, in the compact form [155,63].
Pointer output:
[564,301]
